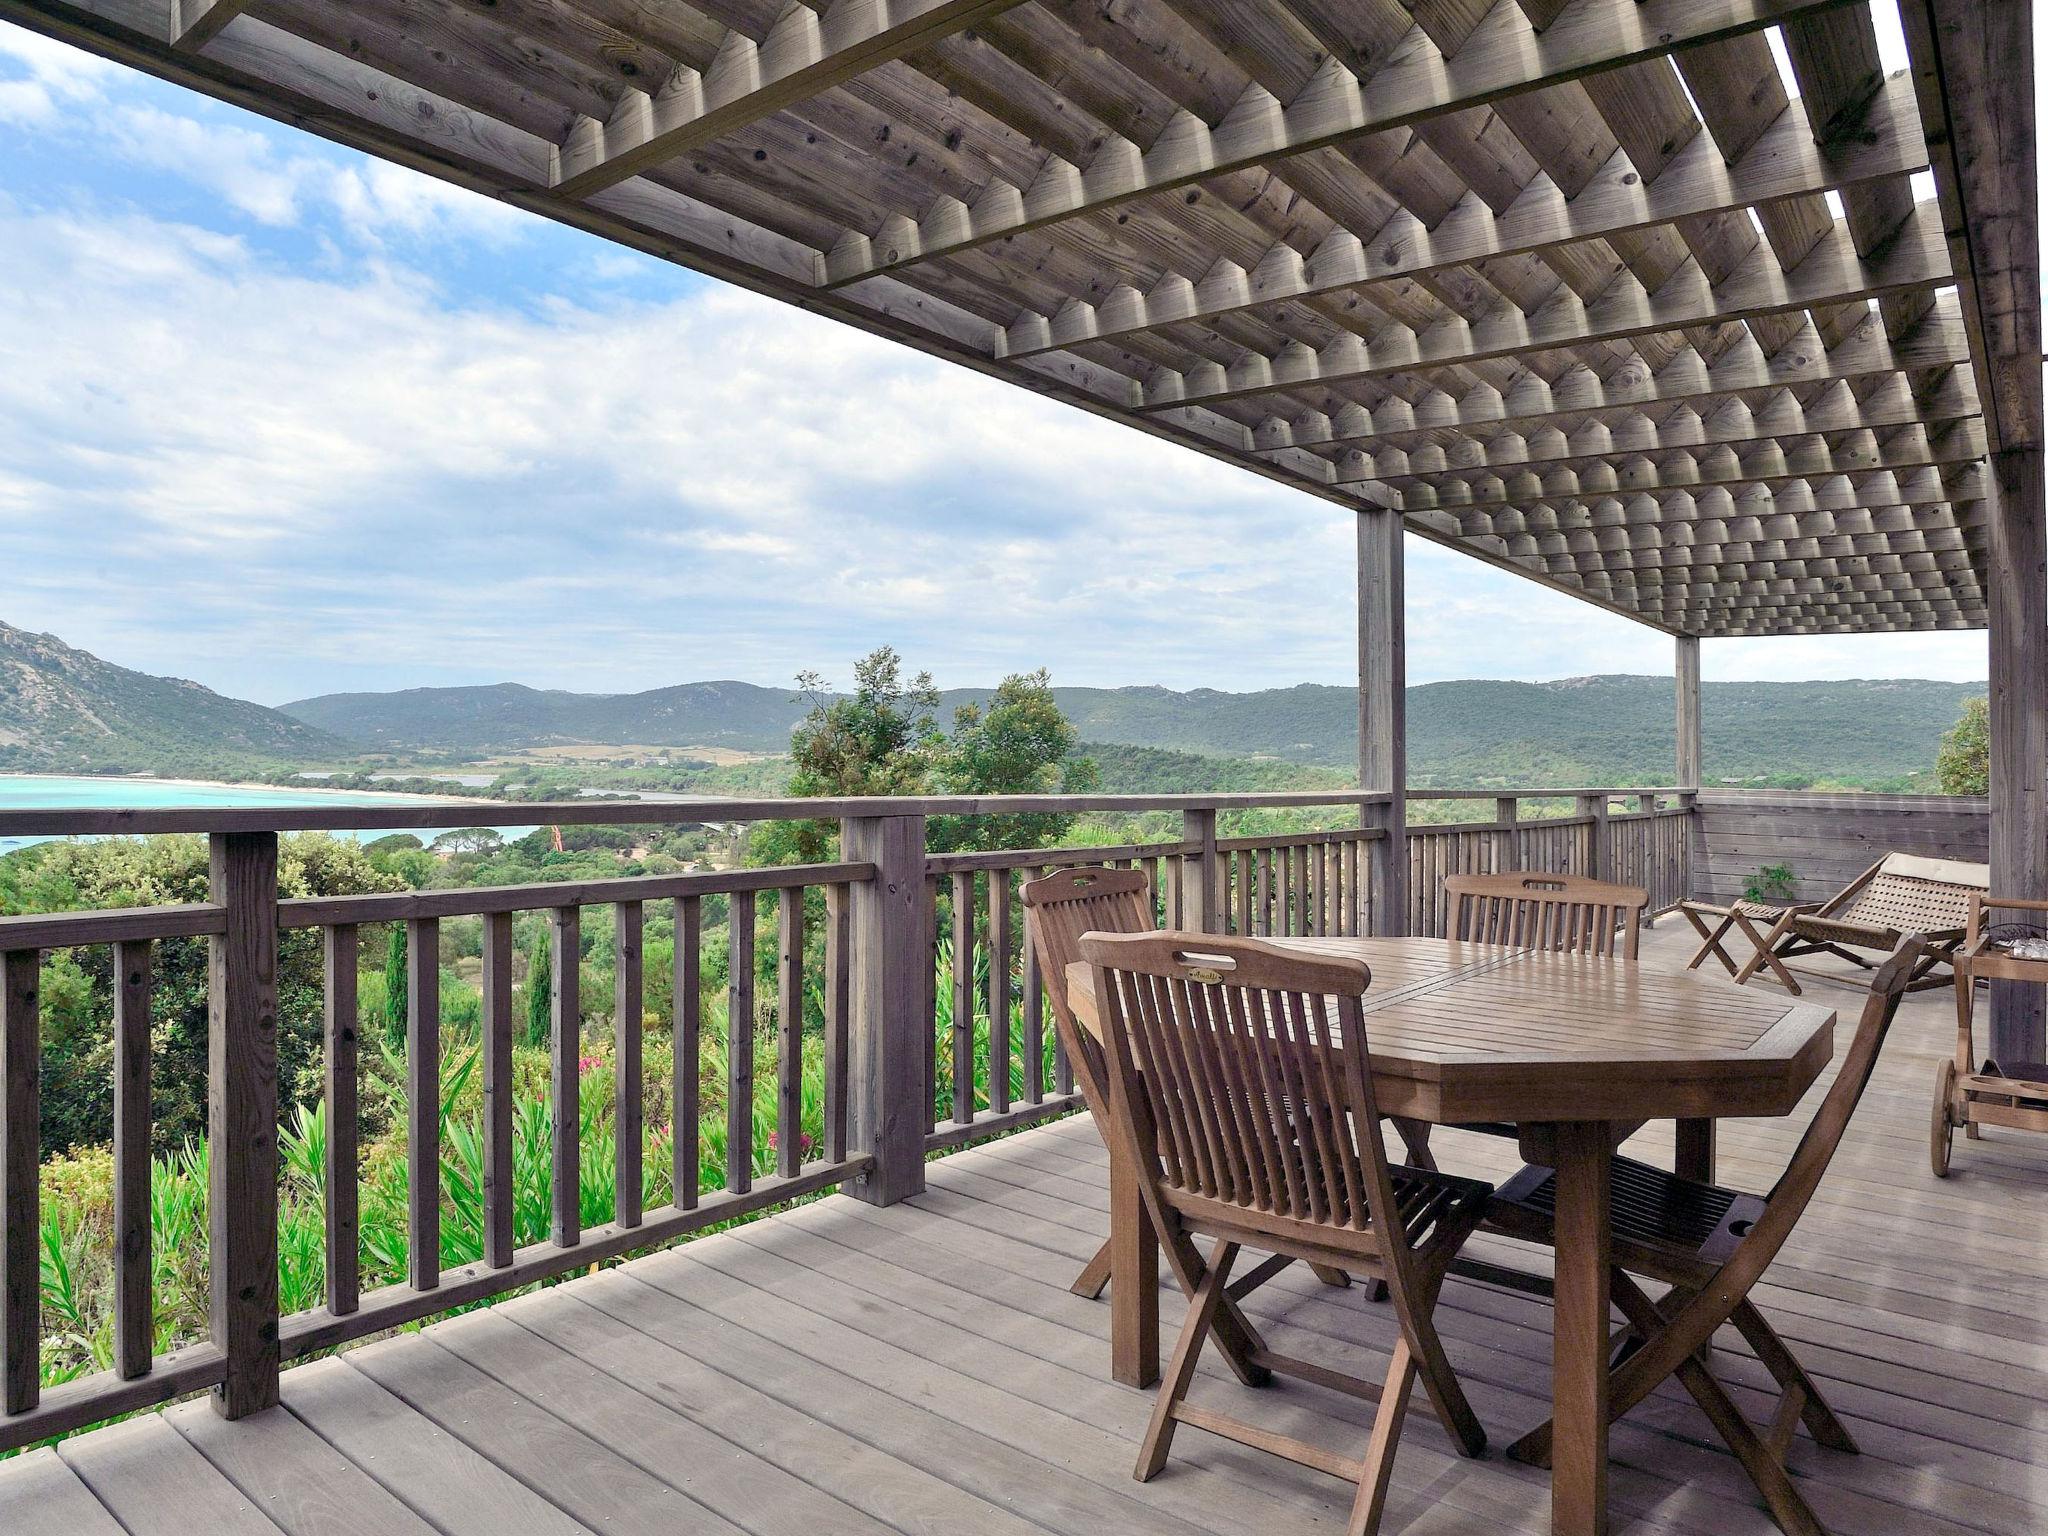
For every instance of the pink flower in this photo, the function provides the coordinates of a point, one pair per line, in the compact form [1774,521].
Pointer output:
[589,1063]
[806,1143]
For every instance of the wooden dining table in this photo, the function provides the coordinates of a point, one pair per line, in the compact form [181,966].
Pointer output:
[1575,1051]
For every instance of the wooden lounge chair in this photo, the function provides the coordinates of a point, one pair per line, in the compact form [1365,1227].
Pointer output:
[1711,1245]
[1901,893]
[1544,911]
[1058,909]
[1204,1040]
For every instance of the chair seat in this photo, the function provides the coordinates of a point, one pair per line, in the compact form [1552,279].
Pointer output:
[1665,1226]
[1438,1211]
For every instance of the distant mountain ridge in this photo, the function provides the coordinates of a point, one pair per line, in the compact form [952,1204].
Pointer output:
[65,709]
[1616,727]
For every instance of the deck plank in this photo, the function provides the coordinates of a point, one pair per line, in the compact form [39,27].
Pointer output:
[302,1483]
[45,1498]
[156,1485]
[923,1368]
[576,1472]
[450,1486]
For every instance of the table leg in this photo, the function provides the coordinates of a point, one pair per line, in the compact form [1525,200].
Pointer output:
[1695,1159]
[1578,1479]
[1134,1282]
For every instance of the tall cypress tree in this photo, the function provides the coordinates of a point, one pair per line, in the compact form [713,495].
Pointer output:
[540,981]
[394,988]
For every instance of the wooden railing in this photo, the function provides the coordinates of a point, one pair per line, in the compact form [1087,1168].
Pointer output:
[1646,843]
[933,1031]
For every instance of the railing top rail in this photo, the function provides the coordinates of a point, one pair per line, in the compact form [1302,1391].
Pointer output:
[1416,792]
[345,817]
[472,901]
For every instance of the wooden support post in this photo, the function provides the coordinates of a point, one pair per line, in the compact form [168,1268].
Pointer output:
[241,1101]
[1383,712]
[2017,570]
[886,1090]
[21,1149]
[1597,860]
[1201,872]
[1688,760]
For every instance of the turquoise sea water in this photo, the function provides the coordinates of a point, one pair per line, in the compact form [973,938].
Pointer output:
[37,791]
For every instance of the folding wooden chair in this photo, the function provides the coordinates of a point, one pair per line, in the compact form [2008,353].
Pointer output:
[1241,1090]
[1566,913]
[1901,893]
[1711,1246]
[1058,909]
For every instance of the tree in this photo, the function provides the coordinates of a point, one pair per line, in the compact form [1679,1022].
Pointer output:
[469,840]
[878,740]
[394,987]
[1022,744]
[1963,766]
[540,982]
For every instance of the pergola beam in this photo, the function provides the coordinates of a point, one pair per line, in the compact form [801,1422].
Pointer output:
[805,53]
[1503,56]
[1832,273]
[1697,182]
[195,23]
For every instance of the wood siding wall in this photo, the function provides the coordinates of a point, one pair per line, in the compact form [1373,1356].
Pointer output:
[1827,839]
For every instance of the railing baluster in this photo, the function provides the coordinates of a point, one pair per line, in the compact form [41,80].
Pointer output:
[629,1100]
[963,998]
[1034,1025]
[999,948]
[789,1035]
[134,1306]
[565,1049]
[684,1129]
[838,1011]
[928,992]
[499,1237]
[739,1047]
[423,1099]
[20,1156]
[342,1026]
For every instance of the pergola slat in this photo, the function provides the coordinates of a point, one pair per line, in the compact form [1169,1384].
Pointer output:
[1504,56]
[1617,200]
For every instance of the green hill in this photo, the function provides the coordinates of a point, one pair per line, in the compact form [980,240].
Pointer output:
[1613,728]
[63,709]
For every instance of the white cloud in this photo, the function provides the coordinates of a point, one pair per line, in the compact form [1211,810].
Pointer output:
[40,79]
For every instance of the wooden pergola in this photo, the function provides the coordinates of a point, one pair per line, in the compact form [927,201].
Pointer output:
[1592,290]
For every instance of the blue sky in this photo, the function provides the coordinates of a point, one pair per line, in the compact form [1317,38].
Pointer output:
[288,420]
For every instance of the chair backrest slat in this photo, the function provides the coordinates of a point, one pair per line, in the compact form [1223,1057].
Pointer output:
[1543,911]
[1058,909]
[1251,1061]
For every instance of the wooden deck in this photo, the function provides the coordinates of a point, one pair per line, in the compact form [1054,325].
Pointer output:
[924,1369]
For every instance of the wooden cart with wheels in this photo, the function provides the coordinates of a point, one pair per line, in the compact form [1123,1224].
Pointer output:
[1969,1094]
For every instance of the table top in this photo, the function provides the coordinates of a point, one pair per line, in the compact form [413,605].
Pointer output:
[1463,1032]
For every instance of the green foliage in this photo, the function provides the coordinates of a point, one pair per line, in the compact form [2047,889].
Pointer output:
[78,984]
[1963,765]
[1020,744]
[1773,885]
[540,983]
[395,1004]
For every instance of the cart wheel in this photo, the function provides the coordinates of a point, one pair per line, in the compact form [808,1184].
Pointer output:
[1944,1121]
